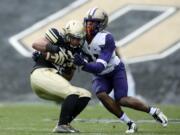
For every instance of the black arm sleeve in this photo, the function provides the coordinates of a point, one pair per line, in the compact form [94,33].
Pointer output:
[52,48]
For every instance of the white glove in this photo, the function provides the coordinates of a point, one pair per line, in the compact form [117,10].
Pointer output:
[70,55]
[70,58]
[57,58]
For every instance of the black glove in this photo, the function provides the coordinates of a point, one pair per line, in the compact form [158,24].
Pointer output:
[36,55]
[79,60]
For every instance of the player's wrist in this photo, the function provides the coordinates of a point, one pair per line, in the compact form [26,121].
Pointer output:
[52,48]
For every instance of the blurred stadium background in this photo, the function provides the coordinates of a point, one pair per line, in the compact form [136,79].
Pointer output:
[156,80]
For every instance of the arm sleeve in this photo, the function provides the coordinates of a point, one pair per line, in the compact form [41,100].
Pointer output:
[54,36]
[52,48]
[93,67]
[107,50]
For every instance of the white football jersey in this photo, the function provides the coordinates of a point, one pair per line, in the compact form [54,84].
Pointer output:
[94,49]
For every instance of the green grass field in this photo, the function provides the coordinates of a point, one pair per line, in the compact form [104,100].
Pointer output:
[40,119]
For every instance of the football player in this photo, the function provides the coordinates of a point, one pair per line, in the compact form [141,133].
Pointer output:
[109,71]
[54,50]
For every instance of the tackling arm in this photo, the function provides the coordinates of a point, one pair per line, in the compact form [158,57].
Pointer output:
[103,59]
[92,67]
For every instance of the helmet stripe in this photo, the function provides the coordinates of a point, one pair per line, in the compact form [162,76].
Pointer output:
[92,11]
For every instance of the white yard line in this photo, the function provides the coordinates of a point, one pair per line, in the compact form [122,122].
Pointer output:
[162,55]
[170,121]
[167,11]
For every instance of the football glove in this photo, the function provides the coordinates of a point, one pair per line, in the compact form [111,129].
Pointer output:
[70,58]
[36,55]
[79,60]
[57,58]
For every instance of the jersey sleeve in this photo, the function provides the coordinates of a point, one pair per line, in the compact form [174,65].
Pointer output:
[54,36]
[107,50]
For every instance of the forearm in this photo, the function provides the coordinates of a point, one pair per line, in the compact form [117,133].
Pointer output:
[43,45]
[40,44]
[39,47]
[93,67]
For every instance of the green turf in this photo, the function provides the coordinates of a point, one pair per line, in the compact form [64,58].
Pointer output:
[40,119]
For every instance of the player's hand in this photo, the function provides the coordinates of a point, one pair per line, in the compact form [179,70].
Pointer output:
[57,58]
[79,60]
[68,58]
[69,55]
[36,55]
[61,57]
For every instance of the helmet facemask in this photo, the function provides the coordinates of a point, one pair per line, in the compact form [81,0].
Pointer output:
[75,41]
